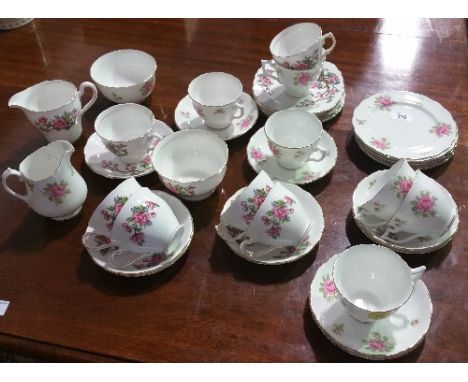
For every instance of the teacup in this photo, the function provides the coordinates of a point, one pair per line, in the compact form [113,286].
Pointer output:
[427,210]
[191,163]
[126,130]
[385,196]
[144,225]
[242,210]
[373,282]
[296,83]
[125,75]
[215,97]
[300,46]
[293,137]
[279,222]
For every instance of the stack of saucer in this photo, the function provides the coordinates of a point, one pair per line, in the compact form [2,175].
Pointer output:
[270,222]
[392,125]
[136,232]
[405,210]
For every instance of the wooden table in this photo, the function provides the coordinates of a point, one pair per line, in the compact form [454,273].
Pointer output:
[212,305]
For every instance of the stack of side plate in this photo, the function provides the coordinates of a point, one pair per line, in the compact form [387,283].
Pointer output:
[392,125]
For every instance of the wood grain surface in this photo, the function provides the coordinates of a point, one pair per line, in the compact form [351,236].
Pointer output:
[212,305]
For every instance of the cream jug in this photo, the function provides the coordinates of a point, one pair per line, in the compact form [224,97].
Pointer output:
[54,107]
[53,187]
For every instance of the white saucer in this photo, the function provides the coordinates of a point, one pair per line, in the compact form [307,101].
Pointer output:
[401,124]
[103,162]
[388,338]
[416,246]
[155,262]
[187,118]
[325,93]
[260,158]
[288,254]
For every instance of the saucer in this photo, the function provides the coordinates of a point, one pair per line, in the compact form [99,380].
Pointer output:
[260,158]
[100,160]
[418,245]
[287,254]
[387,338]
[400,124]
[325,93]
[187,118]
[155,262]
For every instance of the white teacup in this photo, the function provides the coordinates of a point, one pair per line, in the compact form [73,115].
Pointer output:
[279,222]
[242,210]
[215,97]
[145,225]
[296,83]
[300,46]
[293,137]
[373,282]
[126,130]
[191,163]
[385,196]
[427,210]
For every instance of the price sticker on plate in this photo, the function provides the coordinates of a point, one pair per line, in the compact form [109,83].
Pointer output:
[401,116]
[3,307]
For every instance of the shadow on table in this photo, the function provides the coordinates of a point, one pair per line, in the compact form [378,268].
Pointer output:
[325,351]
[223,259]
[115,285]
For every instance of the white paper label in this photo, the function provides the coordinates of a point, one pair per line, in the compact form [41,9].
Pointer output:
[401,116]
[3,307]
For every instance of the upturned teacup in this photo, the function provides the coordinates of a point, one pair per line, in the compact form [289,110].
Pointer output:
[126,130]
[215,97]
[293,137]
[296,82]
[300,46]
[373,282]
[385,196]
[280,221]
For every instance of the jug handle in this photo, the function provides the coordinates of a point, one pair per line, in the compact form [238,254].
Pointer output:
[416,273]
[6,174]
[83,86]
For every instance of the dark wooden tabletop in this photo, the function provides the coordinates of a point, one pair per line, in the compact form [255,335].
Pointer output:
[212,305]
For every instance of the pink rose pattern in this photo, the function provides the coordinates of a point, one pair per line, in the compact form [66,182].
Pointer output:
[264,80]
[58,122]
[56,192]
[252,204]
[424,204]
[147,87]
[303,78]
[140,219]
[186,191]
[278,215]
[245,123]
[309,176]
[257,154]
[384,102]
[152,261]
[110,213]
[382,143]
[402,185]
[308,62]
[441,129]
[233,231]
[377,343]
[328,288]
[274,150]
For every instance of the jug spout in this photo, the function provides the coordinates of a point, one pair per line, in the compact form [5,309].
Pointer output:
[19,100]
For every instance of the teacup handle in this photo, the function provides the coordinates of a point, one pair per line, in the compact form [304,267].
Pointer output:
[326,36]
[248,242]
[416,273]
[83,86]
[241,109]
[91,235]
[322,152]
[264,69]
[6,174]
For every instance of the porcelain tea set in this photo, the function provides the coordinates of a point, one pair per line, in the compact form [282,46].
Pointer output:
[366,300]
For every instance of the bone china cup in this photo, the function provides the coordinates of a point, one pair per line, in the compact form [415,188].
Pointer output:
[215,97]
[191,163]
[125,75]
[293,137]
[373,282]
[300,46]
[126,130]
